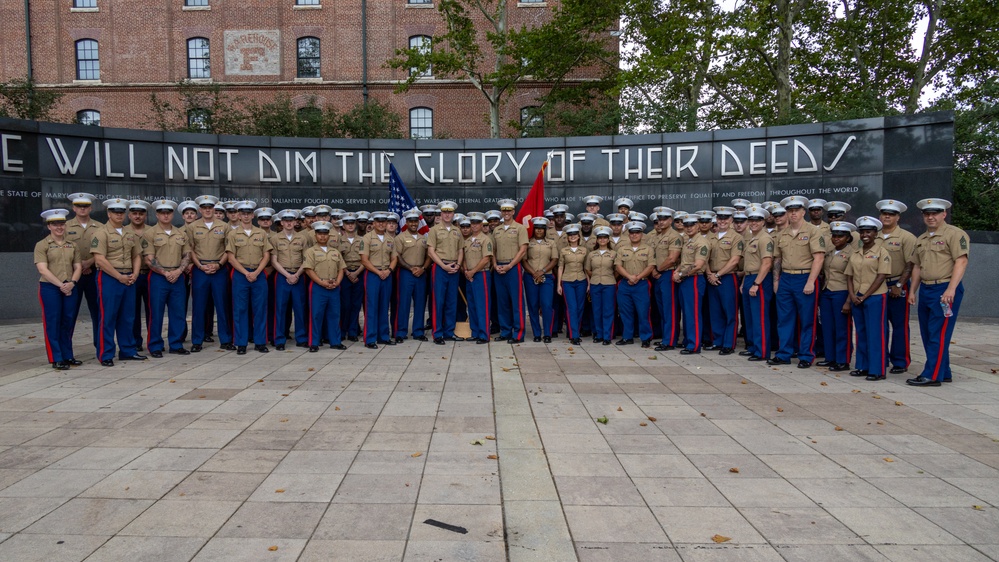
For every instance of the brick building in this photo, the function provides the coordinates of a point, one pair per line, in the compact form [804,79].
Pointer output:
[108,56]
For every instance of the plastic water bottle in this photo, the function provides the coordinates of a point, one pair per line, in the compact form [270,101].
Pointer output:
[947,311]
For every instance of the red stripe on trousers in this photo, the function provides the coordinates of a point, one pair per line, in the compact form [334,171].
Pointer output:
[100,300]
[697,315]
[520,301]
[48,346]
[943,336]
[764,314]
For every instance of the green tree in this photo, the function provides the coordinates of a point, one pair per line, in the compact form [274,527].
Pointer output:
[480,46]
[23,99]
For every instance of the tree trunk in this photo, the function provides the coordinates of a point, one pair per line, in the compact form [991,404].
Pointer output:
[494,113]
[785,30]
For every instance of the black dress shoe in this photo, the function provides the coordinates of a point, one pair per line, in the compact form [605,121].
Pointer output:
[107,363]
[922,381]
[302,344]
[646,343]
[420,338]
[824,364]
[547,339]
[74,362]
[628,341]
[196,348]
[686,351]
[135,357]
[351,338]
[439,341]
[228,347]
[756,358]
[776,361]
[948,380]
[876,377]
[371,345]
[501,338]
[804,364]
[537,339]
[606,342]
[711,347]
[661,347]
[339,346]
[241,350]
[209,339]
[512,341]
[837,367]
[387,342]
[180,351]
[597,340]
[279,347]
[897,370]
[154,355]
[400,340]
[858,373]
[313,348]
[456,338]
[726,351]
[577,341]
[261,348]
[746,353]
[60,366]
[480,341]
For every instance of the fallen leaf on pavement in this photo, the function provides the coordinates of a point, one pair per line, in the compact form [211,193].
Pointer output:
[889,459]
[823,383]
[284,420]
[279,491]
[745,382]
[780,409]
[414,455]
[619,409]
[273,548]
[898,403]
[260,380]
[734,470]
[652,419]
[643,424]
[602,420]
[720,538]
[855,391]
[876,397]
[838,428]
[490,437]
[978,507]
[172,380]
[492,457]
[478,442]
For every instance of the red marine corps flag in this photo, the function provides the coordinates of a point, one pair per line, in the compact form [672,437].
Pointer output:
[534,204]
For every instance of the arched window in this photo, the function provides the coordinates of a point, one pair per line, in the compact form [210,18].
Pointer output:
[88,63]
[198,63]
[89,117]
[421,123]
[308,57]
[422,43]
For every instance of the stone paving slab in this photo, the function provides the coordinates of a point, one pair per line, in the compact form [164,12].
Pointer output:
[467,452]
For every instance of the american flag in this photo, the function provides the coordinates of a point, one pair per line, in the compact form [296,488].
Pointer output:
[400,200]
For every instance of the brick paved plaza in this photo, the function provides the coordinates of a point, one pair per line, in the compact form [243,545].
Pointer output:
[347,455]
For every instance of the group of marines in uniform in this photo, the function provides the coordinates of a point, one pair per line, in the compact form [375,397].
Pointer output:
[790,283]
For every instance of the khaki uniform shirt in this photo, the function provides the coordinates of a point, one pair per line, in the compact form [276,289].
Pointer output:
[935,255]
[80,236]
[248,249]
[507,241]
[601,267]
[540,253]
[477,248]
[350,251]
[327,265]
[695,248]
[58,256]
[168,250]
[208,243]
[291,253]
[379,252]
[412,252]
[864,267]
[572,263]
[600,222]
[589,243]
[796,252]
[621,241]
[834,268]
[560,239]
[901,244]
[756,249]
[446,242]
[665,244]
[724,248]
[119,249]
[144,268]
[634,260]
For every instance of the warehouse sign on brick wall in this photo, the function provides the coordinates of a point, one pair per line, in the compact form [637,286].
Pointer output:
[860,161]
[252,52]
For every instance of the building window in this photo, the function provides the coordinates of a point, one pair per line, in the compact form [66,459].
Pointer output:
[197,120]
[198,64]
[84,3]
[308,57]
[306,2]
[419,1]
[421,123]
[89,117]
[532,122]
[88,65]
[194,3]
[422,43]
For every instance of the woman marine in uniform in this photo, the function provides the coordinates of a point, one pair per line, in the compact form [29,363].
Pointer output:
[599,267]
[59,264]
[572,281]
[865,278]
[835,302]
[541,259]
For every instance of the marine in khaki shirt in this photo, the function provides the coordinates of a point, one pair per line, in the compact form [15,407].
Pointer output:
[834,267]
[59,257]
[796,250]
[632,261]
[326,264]
[208,242]
[166,250]
[248,250]
[120,250]
[350,250]
[723,250]
[542,258]
[289,252]
[757,248]
[81,237]
[572,262]
[901,245]
[863,268]
[446,242]
[411,251]
[477,247]
[936,253]
[379,251]
[695,249]
[508,238]
[599,264]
